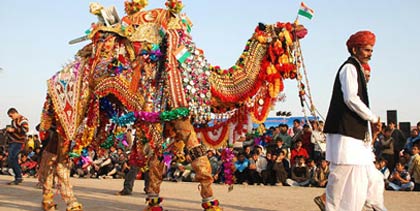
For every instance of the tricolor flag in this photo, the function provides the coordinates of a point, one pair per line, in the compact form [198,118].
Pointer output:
[182,54]
[305,11]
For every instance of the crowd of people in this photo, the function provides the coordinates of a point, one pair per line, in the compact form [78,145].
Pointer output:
[280,156]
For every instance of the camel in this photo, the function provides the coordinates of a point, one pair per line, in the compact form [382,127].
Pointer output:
[145,70]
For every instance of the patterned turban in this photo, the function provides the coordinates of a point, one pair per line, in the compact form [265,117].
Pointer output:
[360,38]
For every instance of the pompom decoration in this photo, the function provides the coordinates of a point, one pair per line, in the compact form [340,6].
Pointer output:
[177,113]
[134,6]
[229,168]
[175,6]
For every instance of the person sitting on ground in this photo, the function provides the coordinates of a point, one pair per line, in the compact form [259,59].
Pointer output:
[414,168]
[300,173]
[400,179]
[320,178]
[241,169]
[298,151]
[27,165]
[281,169]
[382,167]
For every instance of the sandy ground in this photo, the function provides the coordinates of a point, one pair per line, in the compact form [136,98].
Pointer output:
[99,195]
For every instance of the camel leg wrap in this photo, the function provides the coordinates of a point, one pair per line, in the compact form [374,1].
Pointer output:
[200,163]
[155,176]
[185,131]
[66,189]
[203,175]
[46,177]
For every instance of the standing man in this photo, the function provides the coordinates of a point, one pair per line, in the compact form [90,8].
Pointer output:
[354,183]
[16,133]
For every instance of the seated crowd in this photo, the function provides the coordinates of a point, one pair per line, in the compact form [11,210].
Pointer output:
[275,156]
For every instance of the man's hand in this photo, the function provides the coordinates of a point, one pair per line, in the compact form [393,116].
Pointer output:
[10,130]
[376,130]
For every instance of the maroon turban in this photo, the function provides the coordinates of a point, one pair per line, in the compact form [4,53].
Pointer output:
[360,38]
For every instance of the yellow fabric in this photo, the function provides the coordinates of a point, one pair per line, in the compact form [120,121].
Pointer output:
[30,143]
[414,169]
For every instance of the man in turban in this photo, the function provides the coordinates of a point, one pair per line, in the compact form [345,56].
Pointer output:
[354,183]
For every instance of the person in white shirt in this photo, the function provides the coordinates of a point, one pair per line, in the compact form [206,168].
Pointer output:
[319,140]
[354,183]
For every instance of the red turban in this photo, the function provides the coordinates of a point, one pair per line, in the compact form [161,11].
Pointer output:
[360,38]
[366,67]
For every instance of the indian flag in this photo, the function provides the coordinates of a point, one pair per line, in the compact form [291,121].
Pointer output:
[305,11]
[182,54]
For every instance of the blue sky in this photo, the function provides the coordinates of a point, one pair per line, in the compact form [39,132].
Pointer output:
[35,35]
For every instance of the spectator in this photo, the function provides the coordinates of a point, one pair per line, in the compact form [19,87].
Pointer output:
[319,140]
[297,129]
[27,165]
[30,152]
[102,165]
[300,173]
[29,143]
[400,179]
[37,142]
[312,168]
[399,139]
[287,140]
[184,171]
[298,151]
[279,147]
[382,167]
[414,136]
[3,163]
[306,140]
[414,168]
[242,170]
[387,147]
[320,178]
[16,133]
[281,169]
[214,162]
[247,152]
[254,174]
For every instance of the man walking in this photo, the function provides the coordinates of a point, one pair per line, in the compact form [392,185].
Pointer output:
[354,183]
[16,133]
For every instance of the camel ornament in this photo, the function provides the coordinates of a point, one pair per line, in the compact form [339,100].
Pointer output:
[145,71]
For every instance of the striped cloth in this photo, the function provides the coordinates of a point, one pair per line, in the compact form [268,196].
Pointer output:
[21,127]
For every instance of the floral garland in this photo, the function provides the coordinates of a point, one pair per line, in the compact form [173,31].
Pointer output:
[260,110]
[209,134]
[229,168]
[210,137]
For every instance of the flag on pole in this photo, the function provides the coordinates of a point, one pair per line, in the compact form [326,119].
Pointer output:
[305,11]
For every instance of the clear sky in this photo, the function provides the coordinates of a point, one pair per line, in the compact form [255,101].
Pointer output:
[35,34]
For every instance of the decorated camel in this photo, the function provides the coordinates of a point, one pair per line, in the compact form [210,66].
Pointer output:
[145,71]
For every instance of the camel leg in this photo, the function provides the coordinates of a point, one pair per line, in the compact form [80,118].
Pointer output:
[155,175]
[46,177]
[62,170]
[200,163]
